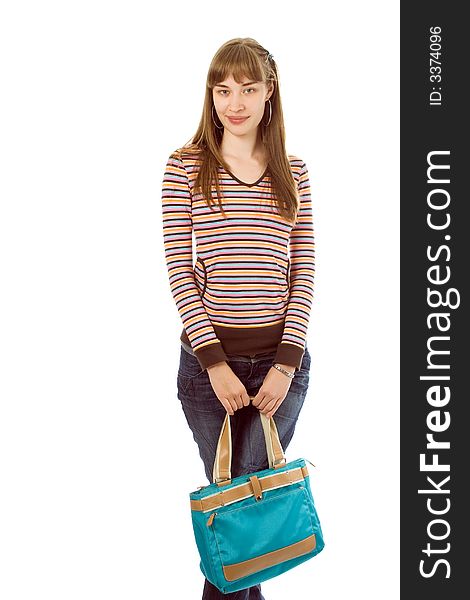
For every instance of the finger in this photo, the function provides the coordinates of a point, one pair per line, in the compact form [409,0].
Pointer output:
[226,404]
[273,411]
[258,399]
[269,406]
[276,407]
[265,402]
[245,398]
[239,400]
[233,403]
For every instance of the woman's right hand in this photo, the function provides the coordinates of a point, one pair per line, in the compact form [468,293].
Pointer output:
[227,387]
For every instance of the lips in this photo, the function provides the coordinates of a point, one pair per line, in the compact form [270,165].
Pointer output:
[237,120]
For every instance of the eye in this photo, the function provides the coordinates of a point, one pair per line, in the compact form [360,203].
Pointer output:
[223,92]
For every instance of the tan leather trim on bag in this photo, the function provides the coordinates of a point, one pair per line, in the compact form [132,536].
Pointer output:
[257,491]
[274,450]
[223,457]
[245,490]
[247,567]
[226,482]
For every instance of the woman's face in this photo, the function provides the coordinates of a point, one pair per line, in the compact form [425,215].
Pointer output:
[246,100]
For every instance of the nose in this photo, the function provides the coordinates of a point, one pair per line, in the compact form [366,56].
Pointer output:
[236,103]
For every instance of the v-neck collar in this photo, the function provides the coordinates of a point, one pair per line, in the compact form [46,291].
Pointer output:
[244,182]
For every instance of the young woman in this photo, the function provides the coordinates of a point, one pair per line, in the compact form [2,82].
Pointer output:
[245,303]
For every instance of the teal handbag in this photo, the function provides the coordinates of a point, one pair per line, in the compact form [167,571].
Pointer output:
[257,526]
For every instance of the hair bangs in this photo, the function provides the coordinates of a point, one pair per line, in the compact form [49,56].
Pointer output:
[238,60]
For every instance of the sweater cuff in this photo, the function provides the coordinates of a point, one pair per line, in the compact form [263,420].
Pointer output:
[210,355]
[289,354]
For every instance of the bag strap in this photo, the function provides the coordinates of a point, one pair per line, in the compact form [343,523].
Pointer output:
[273,444]
[223,456]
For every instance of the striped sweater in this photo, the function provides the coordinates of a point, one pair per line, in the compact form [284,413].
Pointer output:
[250,288]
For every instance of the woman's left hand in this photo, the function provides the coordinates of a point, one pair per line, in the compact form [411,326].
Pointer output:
[272,393]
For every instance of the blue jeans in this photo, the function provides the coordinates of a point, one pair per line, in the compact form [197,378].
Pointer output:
[205,415]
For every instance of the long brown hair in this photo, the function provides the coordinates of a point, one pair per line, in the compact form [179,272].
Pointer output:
[244,57]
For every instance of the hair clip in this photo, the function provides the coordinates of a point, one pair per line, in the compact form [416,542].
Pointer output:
[270,56]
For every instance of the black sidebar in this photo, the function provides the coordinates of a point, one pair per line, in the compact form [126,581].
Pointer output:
[435,269]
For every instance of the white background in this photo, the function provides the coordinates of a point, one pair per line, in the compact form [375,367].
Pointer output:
[96,459]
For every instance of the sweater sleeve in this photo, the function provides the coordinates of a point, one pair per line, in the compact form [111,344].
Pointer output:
[291,349]
[178,243]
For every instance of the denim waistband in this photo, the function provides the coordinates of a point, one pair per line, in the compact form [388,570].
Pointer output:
[249,359]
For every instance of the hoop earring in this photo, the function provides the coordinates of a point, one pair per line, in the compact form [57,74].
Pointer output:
[270,113]
[212,113]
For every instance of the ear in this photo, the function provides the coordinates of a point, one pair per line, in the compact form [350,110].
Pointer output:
[270,91]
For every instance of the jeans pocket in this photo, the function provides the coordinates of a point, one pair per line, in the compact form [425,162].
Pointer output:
[189,369]
[189,365]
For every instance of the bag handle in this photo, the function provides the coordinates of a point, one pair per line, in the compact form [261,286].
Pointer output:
[223,456]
